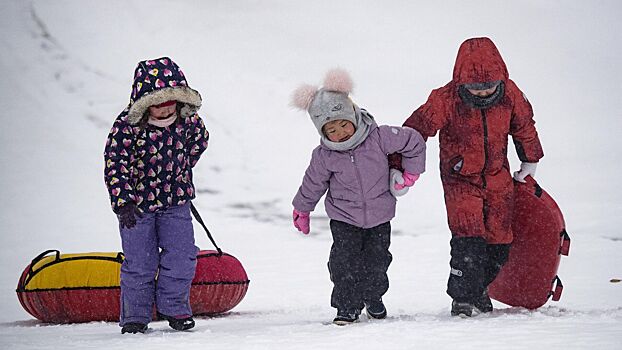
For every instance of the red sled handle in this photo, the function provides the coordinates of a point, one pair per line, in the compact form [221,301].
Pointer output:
[557,288]
[564,248]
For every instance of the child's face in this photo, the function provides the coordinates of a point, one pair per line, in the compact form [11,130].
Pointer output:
[483,93]
[162,112]
[339,130]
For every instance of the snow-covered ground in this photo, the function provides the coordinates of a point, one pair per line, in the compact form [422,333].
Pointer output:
[66,69]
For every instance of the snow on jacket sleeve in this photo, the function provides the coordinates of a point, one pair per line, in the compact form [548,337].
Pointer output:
[522,126]
[407,142]
[118,157]
[432,115]
[197,140]
[314,184]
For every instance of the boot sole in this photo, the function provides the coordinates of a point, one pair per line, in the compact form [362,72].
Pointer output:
[464,314]
[344,323]
[141,330]
[172,320]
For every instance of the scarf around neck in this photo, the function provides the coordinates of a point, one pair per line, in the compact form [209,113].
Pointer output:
[364,121]
[162,123]
[481,102]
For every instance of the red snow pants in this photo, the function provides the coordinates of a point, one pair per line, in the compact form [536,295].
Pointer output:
[480,206]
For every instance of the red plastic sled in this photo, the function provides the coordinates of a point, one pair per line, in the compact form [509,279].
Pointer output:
[71,288]
[529,278]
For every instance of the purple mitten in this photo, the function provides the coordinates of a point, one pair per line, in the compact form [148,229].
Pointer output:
[301,221]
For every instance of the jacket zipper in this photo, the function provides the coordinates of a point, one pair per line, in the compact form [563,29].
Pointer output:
[483,175]
[358,177]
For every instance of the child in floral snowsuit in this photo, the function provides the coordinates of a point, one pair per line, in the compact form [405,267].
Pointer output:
[151,150]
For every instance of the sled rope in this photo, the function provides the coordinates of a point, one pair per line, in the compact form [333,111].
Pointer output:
[196,215]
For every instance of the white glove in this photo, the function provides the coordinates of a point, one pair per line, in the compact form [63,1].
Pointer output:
[396,177]
[525,170]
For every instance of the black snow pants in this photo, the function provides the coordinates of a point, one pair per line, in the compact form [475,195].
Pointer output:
[474,265]
[358,264]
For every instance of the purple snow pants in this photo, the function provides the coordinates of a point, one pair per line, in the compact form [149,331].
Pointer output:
[161,244]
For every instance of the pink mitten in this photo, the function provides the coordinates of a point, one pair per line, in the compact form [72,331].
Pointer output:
[301,221]
[409,180]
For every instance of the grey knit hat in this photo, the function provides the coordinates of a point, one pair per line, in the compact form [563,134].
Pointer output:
[331,102]
[331,105]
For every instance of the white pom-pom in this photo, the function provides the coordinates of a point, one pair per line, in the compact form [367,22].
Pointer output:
[338,80]
[302,97]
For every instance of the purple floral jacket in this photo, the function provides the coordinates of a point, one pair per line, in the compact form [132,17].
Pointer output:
[152,166]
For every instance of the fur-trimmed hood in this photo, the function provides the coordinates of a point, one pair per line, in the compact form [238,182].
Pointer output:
[157,81]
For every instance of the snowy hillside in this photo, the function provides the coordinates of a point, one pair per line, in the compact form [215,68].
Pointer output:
[67,70]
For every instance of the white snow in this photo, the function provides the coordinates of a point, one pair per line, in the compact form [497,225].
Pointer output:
[66,69]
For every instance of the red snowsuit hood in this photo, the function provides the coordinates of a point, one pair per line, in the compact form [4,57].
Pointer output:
[479,61]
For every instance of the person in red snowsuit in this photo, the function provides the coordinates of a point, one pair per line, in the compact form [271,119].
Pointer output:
[474,114]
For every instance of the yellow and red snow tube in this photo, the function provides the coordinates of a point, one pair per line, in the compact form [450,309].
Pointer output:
[69,288]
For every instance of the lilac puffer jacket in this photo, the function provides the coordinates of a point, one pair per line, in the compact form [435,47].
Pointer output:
[358,180]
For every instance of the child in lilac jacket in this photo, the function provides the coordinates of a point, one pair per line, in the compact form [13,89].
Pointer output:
[351,164]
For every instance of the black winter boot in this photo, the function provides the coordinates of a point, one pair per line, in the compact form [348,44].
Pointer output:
[376,309]
[134,327]
[483,303]
[463,309]
[178,324]
[345,317]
